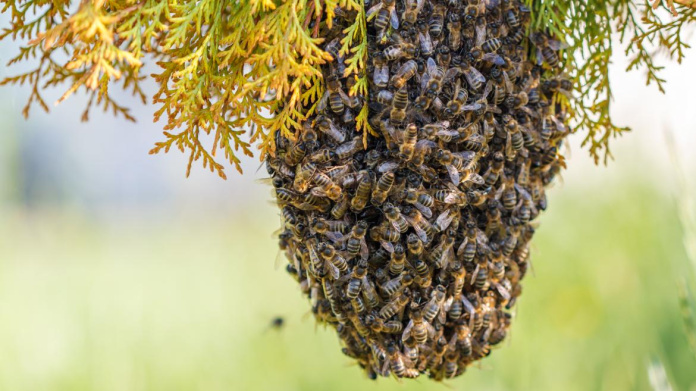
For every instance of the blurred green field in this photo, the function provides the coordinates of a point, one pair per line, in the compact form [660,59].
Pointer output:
[154,302]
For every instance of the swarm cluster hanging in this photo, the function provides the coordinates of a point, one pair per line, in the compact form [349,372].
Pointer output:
[414,246]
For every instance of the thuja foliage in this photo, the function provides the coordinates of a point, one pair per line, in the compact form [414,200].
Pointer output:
[232,74]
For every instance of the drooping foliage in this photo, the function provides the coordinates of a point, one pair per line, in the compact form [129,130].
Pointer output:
[233,73]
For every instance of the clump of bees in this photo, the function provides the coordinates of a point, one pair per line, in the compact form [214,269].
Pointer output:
[413,247]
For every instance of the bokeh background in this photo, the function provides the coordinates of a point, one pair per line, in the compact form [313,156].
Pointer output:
[118,273]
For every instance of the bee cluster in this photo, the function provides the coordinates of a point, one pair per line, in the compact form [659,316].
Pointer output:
[414,247]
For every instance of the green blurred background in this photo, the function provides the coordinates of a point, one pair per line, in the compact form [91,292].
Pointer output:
[117,273]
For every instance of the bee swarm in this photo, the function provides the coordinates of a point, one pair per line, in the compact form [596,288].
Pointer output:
[414,247]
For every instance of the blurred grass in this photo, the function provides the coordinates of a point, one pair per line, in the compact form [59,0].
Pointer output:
[159,303]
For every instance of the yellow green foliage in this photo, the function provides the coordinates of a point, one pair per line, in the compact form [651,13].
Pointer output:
[237,72]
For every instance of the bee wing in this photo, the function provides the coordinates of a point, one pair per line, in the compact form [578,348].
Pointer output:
[475,179]
[487,90]
[394,19]
[347,100]
[480,33]
[387,246]
[424,80]
[431,66]
[373,11]
[447,255]
[451,74]
[444,219]
[556,45]
[509,86]
[321,106]
[364,251]
[453,174]
[424,210]
[528,111]
[333,270]
[496,109]
[336,237]
[442,314]
[407,330]
[387,166]
[467,305]
[503,292]
[419,231]
[494,58]
[474,77]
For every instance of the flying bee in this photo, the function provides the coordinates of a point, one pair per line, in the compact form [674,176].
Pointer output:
[437,20]
[425,41]
[334,95]
[411,10]
[362,193]
[394,216]
[398,110]
[382,188]
[385,16]
[421,200]
[380,76]
[547,48]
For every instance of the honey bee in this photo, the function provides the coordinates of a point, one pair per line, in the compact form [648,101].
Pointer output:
[395,306]
[384,97]
[355,242]
[432,81]
[399,104]
[459,98]
[473,76]
[329,253]
[400,365]
[437,20]
[411,10]
[382,188]
[385,234]
[454,26]
[547,48]
[442,254]
[414,245]
[422,277]
[511,19]
[434,306]
[398,283]
[327,186]
[385,16]
[340,207]
[559,84]
[347,149]
[394,216]
[296,154]
[400,49]
[404,74]
[408,145]
[334,96]
[380,75]
[551,125]
[355,283]
[417,327]
[324,155]
[426,42]
[455,163]
[286,196]
[421,200]
[379,326]
[423,228]
[362,193]
[491,176]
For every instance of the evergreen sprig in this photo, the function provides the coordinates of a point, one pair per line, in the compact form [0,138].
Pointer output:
[233,73]
[588,27]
